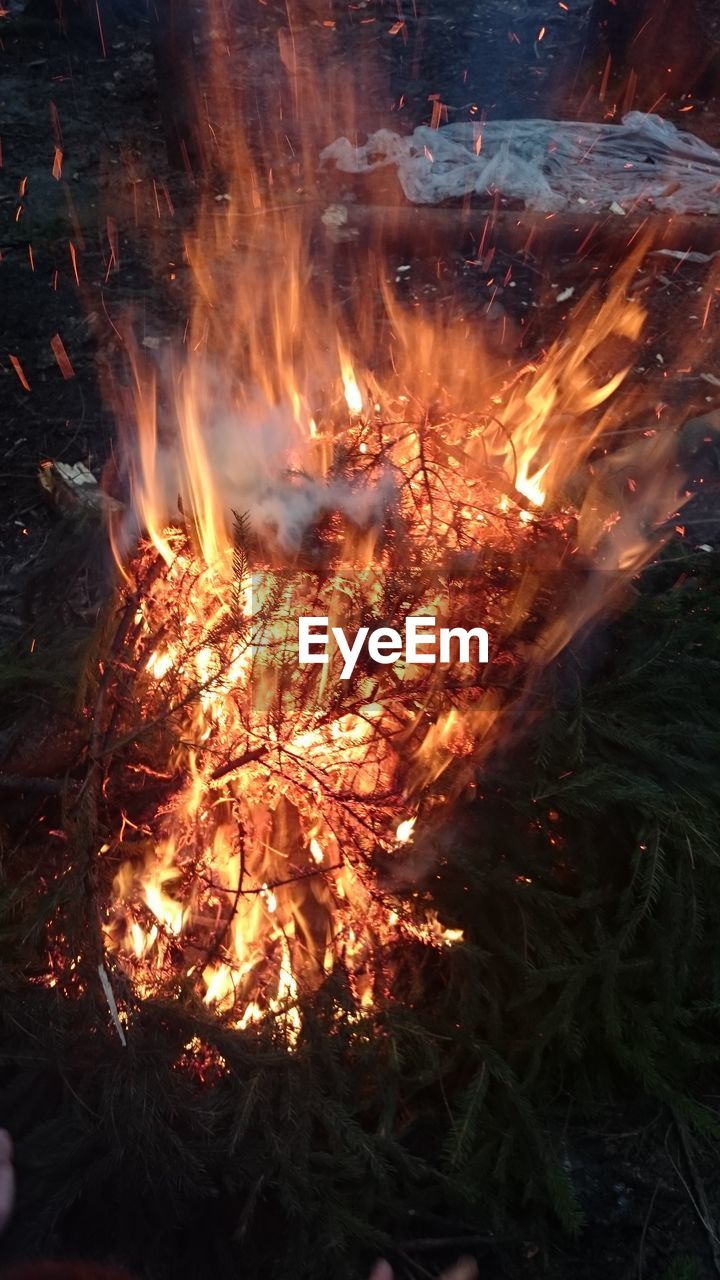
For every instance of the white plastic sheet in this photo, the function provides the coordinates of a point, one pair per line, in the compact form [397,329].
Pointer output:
[640,164]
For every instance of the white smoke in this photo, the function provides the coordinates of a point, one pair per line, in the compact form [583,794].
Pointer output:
[286,512]
[260,463]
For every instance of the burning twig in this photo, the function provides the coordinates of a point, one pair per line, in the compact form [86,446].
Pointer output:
[248,757]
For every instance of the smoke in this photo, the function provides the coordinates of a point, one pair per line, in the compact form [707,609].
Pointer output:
[286,513]
[210,461]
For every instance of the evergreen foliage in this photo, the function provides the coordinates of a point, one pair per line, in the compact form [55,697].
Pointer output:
[585,875]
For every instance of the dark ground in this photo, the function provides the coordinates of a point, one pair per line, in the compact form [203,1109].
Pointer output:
[80,253]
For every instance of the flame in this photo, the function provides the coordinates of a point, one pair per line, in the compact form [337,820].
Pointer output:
[369,459]
[404,830]
[352,392]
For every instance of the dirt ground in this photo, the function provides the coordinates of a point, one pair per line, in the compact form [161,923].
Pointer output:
[92,220]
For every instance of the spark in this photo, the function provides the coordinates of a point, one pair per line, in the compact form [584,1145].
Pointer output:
[19,371]
[61,355]
[73,259]
[100,29]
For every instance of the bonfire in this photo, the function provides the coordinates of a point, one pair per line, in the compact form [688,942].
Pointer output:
[269,808]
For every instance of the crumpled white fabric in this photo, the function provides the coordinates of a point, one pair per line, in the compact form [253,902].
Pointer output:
[640,164]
